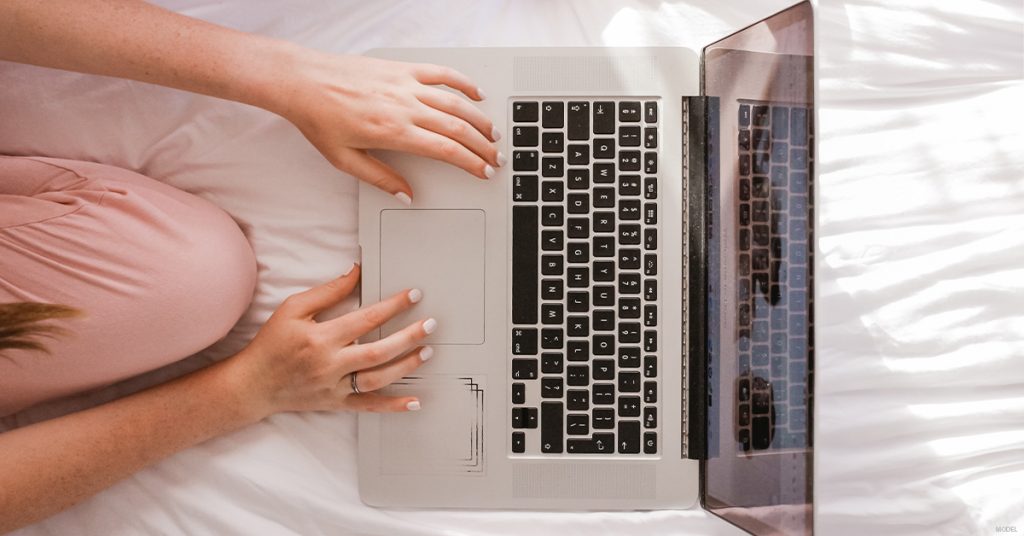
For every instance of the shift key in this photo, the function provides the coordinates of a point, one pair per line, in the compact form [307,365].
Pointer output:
[552,417]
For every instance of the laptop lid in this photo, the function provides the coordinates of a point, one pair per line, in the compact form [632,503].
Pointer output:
[755,398]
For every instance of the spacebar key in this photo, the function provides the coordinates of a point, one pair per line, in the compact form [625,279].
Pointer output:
[551,418]
[524,264]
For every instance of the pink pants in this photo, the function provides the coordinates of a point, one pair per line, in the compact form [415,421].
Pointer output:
[159,273]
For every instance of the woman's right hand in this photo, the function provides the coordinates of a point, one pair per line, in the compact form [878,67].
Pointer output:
[296,363]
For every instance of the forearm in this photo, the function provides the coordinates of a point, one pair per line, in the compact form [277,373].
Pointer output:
[47,467]
[135,40]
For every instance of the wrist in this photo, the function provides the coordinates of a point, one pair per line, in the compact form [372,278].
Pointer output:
[245,392]
[278,79]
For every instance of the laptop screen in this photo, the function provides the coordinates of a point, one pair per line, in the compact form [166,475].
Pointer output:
[760,257]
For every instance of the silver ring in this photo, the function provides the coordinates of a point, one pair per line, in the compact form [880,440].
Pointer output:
[355,386]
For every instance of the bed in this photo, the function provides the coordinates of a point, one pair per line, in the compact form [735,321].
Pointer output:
[920,383]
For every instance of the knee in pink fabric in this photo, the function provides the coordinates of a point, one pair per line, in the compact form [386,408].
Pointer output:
[159,273]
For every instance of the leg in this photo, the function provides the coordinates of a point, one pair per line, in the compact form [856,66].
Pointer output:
[159,273]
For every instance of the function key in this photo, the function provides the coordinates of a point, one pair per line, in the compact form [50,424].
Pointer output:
[650,366]
[650,264]
[761,116]
[650,162]
[780,123]
[553,115]
[650,443]
[629,111]
[798,126]
[744,115]
[524,112]
[579,121]
[651,188]
[604,118]
[650,417]
[650,138]
[650,213]
[650,112]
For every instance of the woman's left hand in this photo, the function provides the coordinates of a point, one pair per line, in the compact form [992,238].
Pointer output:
[345,105]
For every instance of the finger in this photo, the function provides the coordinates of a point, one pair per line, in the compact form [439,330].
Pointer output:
[440,75]
[446,102]
[371,354]
[455,128]
[368,169]
[310,302]
[350,327]
[381,376]
[424,142]
[381,404]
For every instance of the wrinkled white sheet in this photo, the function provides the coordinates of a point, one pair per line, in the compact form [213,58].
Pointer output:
[920,382]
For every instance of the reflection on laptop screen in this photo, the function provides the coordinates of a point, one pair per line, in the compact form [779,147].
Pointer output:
[758,472]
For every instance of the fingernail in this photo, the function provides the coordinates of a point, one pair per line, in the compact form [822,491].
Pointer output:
[429,326]
[426,353]
[413,406]
[501,159]
[488,171]
[404,198]
[495,135]
[350,269]
[481,93]
[415,295]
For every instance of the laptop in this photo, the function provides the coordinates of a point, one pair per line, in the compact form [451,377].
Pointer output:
[625,311]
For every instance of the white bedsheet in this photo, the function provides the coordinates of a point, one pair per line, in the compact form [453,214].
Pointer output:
[920,382]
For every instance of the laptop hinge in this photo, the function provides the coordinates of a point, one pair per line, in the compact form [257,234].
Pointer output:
[699,154]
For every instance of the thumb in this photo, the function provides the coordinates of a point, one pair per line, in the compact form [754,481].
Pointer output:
[370,170]
[310,302]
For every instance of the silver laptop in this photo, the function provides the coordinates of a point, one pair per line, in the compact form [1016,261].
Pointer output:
[625,311]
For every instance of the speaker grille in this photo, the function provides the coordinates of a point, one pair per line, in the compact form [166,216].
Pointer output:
[585,481]
[582,73]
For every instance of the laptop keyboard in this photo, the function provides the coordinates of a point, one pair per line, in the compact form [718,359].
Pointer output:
[584,277]
[774,297]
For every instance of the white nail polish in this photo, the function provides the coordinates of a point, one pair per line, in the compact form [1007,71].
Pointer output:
[426,353]
[501,159]
[413,406]
[429,326]
[483,96]
[404,198]
[488,171]
[415,295]
[495,135]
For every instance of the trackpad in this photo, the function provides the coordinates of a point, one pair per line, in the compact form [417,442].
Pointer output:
[441,252]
